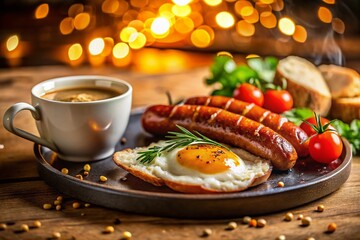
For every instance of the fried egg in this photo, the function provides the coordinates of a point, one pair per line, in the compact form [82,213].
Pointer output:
[197,168]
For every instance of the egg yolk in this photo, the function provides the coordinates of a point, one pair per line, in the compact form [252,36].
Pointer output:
[208,159]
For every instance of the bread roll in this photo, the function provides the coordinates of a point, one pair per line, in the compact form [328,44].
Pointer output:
[342,81]
[346,109]
[305,83]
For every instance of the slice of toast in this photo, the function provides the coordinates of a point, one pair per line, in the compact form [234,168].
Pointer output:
[305,83]
[343,82]
[161,173]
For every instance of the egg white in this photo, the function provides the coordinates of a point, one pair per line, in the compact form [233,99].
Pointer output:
[166,167]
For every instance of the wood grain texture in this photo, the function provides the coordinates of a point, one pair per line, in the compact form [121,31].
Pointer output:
[22,192]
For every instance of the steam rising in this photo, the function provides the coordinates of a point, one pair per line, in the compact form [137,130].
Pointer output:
[330,51]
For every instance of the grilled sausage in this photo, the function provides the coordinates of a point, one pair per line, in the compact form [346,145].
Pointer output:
[295,135]
[222,126]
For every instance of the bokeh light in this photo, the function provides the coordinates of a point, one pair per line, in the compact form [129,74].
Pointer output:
[81,21]
[96,46]
[325,15]
[116,30]
[286,26]
[120,50]
[137,40]
[42,11]
[75,52]
[300,34]
[239,5]
[181,2]
[75,9]
[184,25]
[213,2]
[126,33]
[225,19]
[66,25]
[139,3]
[338,25]
[12,43]
[200,38]
[329,1]
[245,29]
[181,11]
[268,19]
[160,26]
[110,6]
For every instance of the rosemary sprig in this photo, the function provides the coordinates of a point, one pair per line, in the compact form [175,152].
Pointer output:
[176,140]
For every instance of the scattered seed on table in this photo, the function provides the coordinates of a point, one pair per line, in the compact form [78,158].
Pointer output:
[331,228]
[117,221]
[58,207]
[76,205]
[47,206]
[79,176]
[65,170]
[126,235]
[103,178]
[57,202]
[289,217]
[87,204]
[300,216]
[123,179]
[207,232]
[280,184]
[261,223]
[109,229]
[37,224]
[231,226]
[56,235]
[3,226]
[246,220]
[24,228]
[86,173]
[306,221]
[87,167]
[281,237]
[320,208]
[253,223]
[59,198]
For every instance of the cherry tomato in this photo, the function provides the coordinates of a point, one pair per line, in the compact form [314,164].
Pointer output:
[325,147]
[278,101]
[249,93]
[309,130]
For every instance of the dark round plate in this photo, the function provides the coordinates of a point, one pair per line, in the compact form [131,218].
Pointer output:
[306,182]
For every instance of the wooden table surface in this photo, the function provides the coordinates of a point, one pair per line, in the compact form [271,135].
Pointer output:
[23,192]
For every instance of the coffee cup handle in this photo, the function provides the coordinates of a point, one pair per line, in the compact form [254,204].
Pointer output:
[8,122]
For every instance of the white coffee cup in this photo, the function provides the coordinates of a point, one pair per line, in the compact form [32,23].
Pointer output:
[76,131]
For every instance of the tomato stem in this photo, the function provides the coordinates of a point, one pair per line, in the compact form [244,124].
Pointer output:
[319,128]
